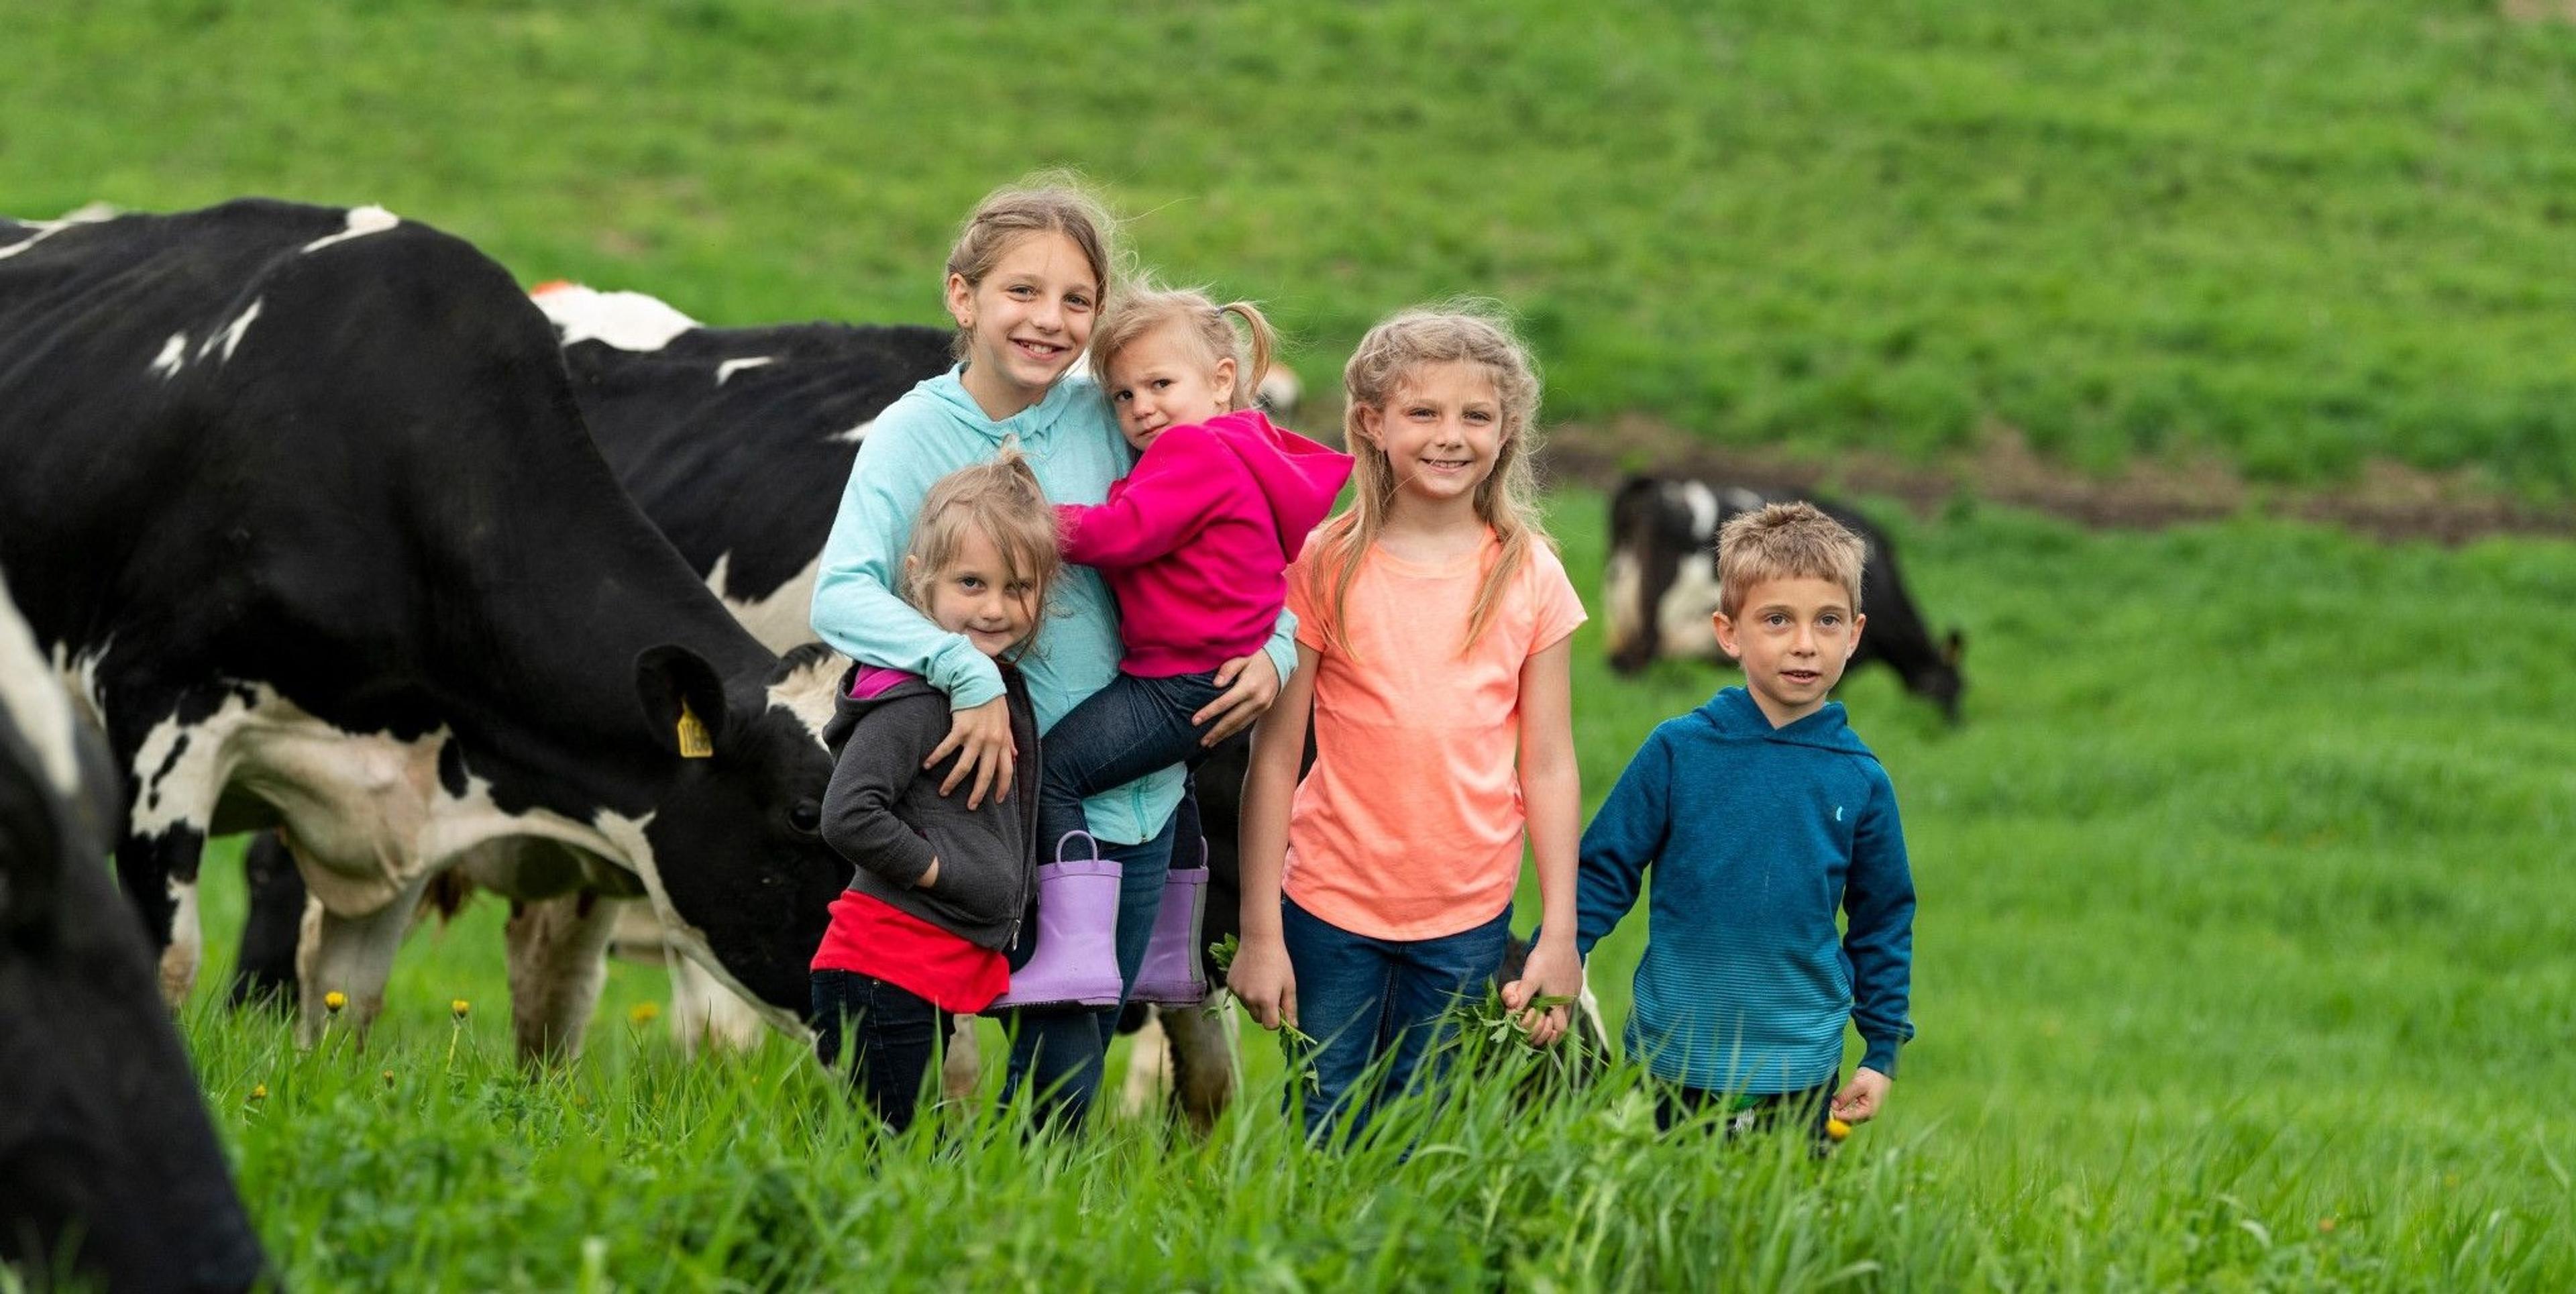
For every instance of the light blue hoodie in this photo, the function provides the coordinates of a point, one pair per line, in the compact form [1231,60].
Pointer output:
[1072,443]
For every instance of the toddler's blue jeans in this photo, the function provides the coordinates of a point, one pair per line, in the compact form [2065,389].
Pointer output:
[1362,998]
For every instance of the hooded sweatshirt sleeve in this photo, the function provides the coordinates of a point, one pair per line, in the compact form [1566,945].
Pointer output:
[881,758]
[1626,835]
[1878,900]
[855,607]
[1176,485]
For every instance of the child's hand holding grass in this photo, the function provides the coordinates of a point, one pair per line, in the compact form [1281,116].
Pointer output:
[1550,980]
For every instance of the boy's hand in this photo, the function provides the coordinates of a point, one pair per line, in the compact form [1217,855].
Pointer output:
[983,732]
[1251,683]
[1553,970]
[1264,982]
[1859,1100]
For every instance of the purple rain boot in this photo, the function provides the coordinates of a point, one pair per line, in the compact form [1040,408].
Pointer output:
[1076,960]
[1173,974]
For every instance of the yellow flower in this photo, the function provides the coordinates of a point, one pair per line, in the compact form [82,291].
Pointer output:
[2326,1223]
[459,1007]
[334,1000]
[1837,1129]
[389,1078]
[644,1013]
[259,1091]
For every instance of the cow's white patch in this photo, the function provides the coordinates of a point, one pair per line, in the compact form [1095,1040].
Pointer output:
[1619,590]
[625,320]
[853,436]
[186,947]
[1740,499]
[79,677]
[1702,502]
[782,620]
[1280,392]
[174,353]
[636,849]
[230,335]
[39,709]
[44,229]
[1681,614]
[733,366]
[362,221]
[807,693]
[706,1013]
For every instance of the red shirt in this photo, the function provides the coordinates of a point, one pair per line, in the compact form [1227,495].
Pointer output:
[873,938]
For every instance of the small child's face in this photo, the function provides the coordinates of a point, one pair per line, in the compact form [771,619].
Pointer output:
[978,597]
[1443,431]
[1793,637]
[1164,379]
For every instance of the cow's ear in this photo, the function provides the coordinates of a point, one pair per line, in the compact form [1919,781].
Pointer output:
[1953,647]
[683,699]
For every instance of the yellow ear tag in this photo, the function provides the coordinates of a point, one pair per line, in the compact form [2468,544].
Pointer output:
[694,741]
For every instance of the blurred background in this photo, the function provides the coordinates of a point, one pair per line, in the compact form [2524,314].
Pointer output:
[2209,365]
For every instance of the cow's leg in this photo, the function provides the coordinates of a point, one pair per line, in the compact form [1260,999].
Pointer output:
[159,873]
[558,961]
[964,1062]
[272,922]
[171,745]
[351,956]
[1149,1071]
[704,1011]
[1203,1068]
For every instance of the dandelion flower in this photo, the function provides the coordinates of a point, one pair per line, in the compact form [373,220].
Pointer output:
[644,1013]
[459,1007]
[334,1000]
[259,1091]
[2326,1223]
[389,1078]
[1837,1129]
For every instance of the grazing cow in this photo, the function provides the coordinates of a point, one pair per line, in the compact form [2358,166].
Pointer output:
[108,1168]
[1661,586]
[302,507]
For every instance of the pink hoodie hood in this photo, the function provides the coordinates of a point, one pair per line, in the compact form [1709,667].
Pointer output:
[1197,539]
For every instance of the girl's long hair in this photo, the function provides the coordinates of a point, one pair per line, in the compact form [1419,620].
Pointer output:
[1471,332]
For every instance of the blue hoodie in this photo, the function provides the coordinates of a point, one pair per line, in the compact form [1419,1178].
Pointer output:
[1072,443]
[1757,835]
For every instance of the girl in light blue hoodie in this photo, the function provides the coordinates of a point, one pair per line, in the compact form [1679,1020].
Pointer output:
[1025,280]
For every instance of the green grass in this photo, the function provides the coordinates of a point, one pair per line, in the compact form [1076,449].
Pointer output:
[2243,962]
[2294,236]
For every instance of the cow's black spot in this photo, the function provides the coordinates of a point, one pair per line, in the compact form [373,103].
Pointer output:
[451,768]
[177,749]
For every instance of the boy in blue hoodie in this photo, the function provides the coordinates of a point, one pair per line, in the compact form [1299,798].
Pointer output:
[1761,815]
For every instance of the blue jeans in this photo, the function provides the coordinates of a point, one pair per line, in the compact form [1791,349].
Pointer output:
[893,1032]
[1059,1052]
[1363,999]
[1122,732]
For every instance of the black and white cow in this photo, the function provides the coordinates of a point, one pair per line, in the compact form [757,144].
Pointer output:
[108,1167]
[300,503]
[1661,586]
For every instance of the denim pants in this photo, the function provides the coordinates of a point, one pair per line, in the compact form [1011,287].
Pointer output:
[893,1032]
[1369,1002]
[1122,732]
[1058,1052]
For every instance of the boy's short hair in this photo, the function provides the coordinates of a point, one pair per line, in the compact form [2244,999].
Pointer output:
[1785,541]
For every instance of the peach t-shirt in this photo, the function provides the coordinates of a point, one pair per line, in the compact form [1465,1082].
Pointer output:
[1409,826]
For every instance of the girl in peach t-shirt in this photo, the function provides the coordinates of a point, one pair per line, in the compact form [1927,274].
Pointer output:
[1432,627]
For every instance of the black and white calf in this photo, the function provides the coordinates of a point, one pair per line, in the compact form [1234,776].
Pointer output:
[301,505]
[1661,586]
[108,1168]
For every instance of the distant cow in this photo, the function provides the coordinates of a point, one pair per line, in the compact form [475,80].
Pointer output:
[108,1168]
[302,507]
[1661,586]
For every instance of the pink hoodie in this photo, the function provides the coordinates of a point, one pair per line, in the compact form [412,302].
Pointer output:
[1196,541]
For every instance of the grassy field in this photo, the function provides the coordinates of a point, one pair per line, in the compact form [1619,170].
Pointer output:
[2290,236]
[2243,962]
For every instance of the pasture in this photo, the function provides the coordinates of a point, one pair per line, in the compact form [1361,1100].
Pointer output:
[2240,966]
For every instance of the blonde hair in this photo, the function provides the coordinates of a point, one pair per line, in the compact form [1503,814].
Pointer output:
[1785,541]
[1468,332]
[1145,308]
[1001,498]
[1049,202]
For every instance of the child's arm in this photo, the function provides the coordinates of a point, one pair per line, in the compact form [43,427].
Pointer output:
[1625,836]
[856,611]
[1552,797]
[1878,899]
[1156,507]
[1261,975]
[1251,690]
[882,757]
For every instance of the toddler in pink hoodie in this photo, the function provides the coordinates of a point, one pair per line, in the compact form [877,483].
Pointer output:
[1195,542]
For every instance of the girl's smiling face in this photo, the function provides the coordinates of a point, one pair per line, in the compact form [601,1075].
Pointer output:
[1443,431]
[1025,322]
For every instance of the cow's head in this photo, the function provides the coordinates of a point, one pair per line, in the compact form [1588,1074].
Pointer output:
[108,1167]
[1939,680]
[1661,583]
[734,861]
